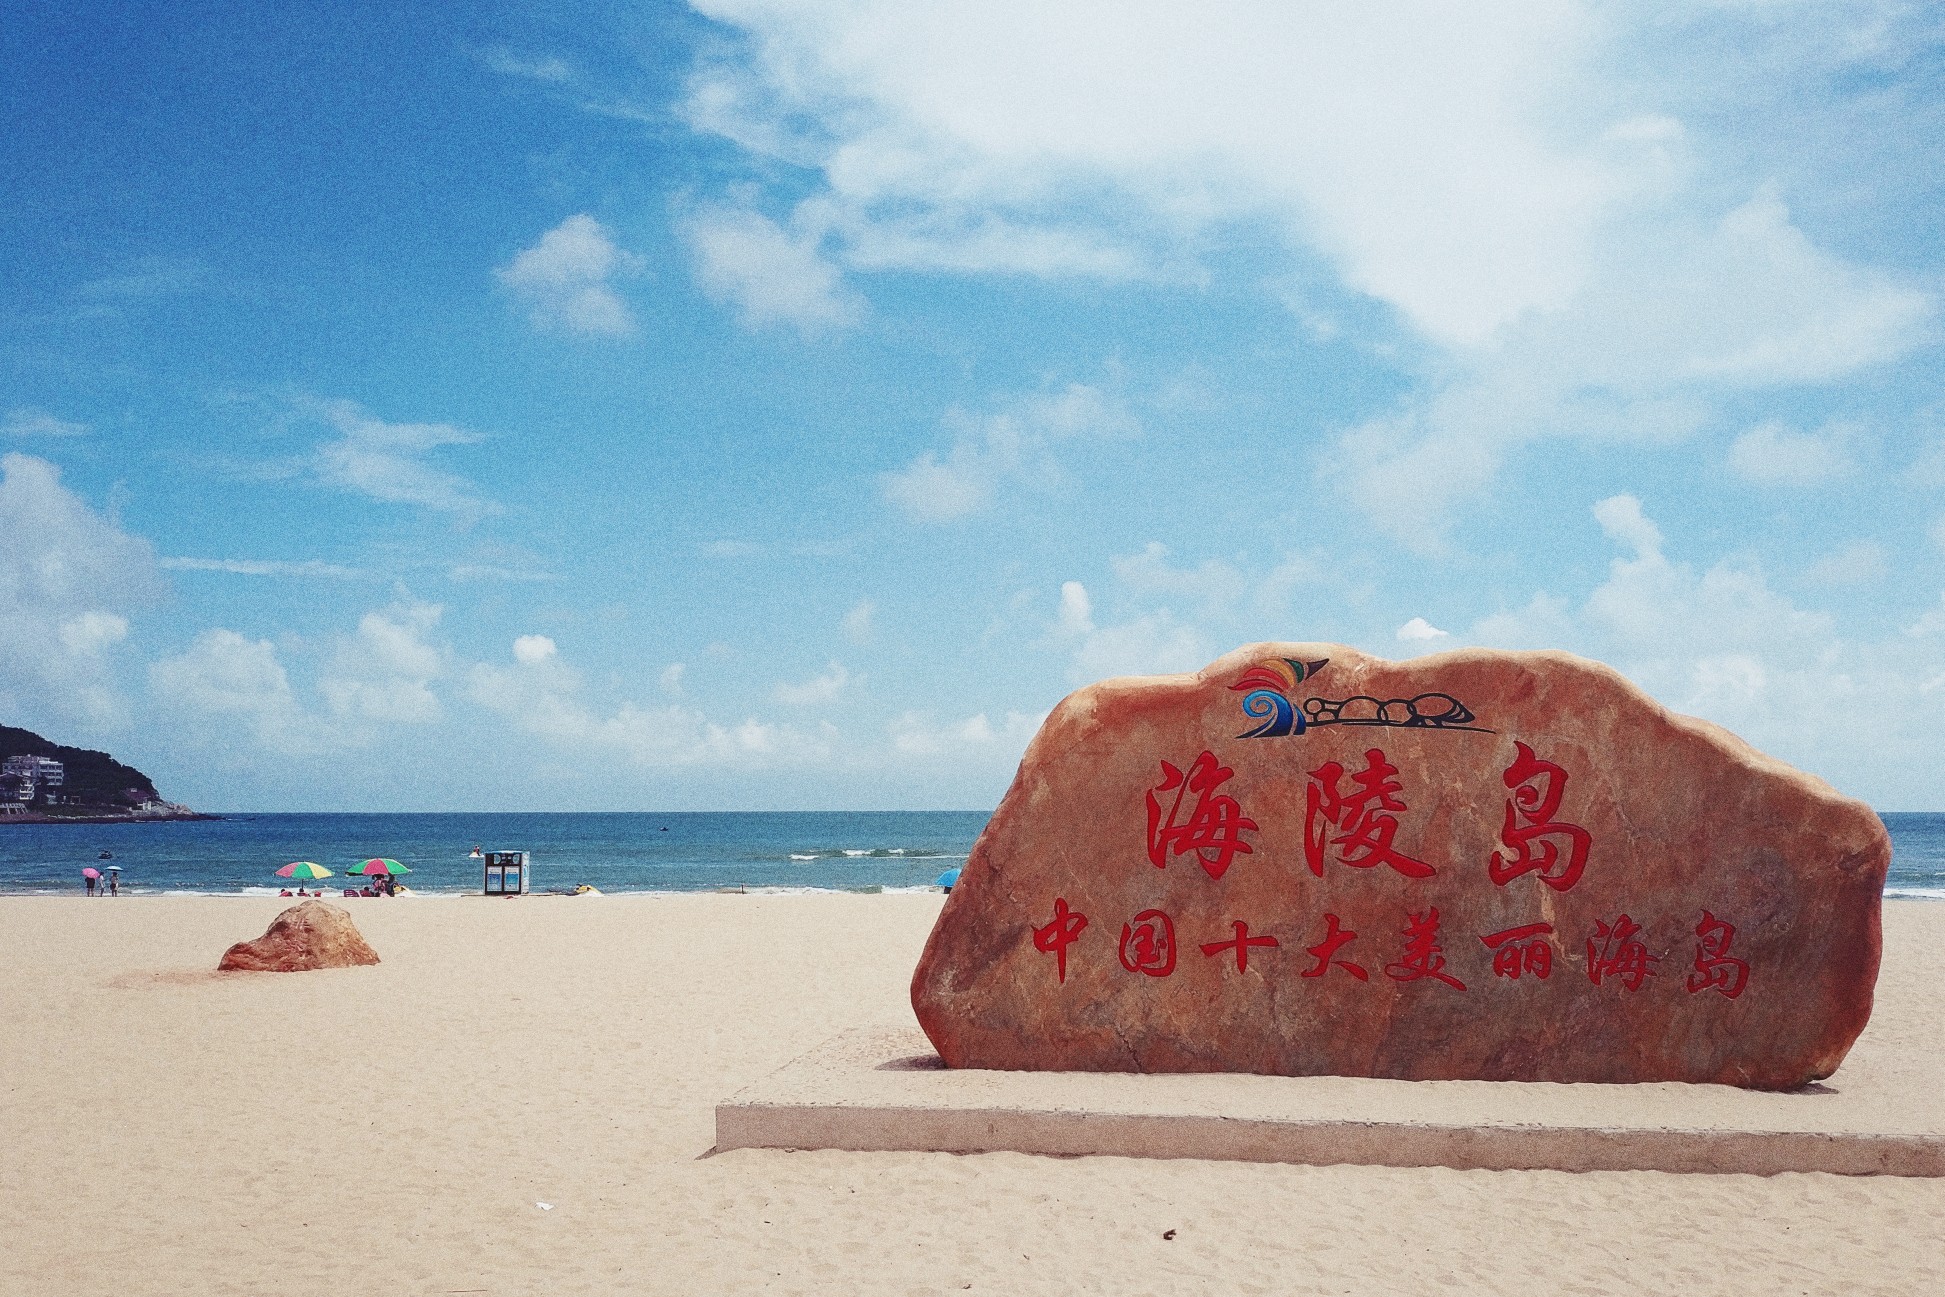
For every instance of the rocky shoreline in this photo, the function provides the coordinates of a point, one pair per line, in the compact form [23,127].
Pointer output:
[106,817]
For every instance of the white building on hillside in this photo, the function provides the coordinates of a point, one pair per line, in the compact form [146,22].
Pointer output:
[45,771]
[26,776]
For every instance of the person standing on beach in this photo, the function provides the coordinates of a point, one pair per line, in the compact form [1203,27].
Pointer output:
[88,880]
[114,884]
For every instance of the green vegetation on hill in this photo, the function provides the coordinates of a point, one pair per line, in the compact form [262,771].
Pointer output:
[92,778]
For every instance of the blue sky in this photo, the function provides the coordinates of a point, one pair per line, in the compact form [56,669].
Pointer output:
[762,405]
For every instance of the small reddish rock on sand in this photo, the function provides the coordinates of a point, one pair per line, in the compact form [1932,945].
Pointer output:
[307,936]
[1480,865]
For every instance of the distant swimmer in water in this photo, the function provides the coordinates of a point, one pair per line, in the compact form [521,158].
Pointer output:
[476,853]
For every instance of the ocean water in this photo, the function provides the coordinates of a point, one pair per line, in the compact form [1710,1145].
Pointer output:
[1917,854]
[782,850]
[828,851]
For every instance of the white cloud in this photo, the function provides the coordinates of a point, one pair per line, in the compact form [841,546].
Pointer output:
[1454,437]
[566,279]
[1091,138]
[543,698]
[858,623]
[1465,167]
[1274,591]
[1013,444]
[92,633]
[266,567]
[226,677]
[768,274]
[1720,643]
[1213,583]
[1621,518]
[226,686]
[1774,455]
[1675,316]
[68,576]
[1418,630]
[818,689]
[919,734]
[531,650]
[382,460]
[384,673]
[1076,609]
[1765,305]
[1859,563]
[1151,644]
[1078,410]
[1579,259]
[39,423]
[549,68]
[496,572]
[935,490]
[671,679]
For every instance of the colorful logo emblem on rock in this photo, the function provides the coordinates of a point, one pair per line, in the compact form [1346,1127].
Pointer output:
[1267,685]
[1266,688]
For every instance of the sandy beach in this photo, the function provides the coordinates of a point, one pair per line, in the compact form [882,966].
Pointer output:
[395,1130]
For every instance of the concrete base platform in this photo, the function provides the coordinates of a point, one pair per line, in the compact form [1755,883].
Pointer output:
[886,1090]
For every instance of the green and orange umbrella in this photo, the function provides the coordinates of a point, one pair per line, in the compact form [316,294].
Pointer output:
[303,869]
[377,865]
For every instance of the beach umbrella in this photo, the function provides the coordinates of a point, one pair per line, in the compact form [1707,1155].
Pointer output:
[303,869]
[949,879]
[380,866]
[91,872]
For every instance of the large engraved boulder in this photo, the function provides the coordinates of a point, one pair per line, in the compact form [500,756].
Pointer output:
[1505,866]
[307,936]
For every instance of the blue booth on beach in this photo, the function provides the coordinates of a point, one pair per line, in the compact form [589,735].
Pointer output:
[506,873]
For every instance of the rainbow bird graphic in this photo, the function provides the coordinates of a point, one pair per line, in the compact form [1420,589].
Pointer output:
[1266,689]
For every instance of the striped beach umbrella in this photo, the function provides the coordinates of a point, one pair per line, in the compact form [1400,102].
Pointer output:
[303,869]
[377,865]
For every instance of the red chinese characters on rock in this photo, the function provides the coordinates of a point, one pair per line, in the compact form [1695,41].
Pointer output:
[1148,944]
[1365,819]
[1521,950]
[1422,957]
[1535,842]
[1213,826]
[1715,967]
[1616,952]
[1054,938]
[1325,951]
[1241,944]
[1354,815]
